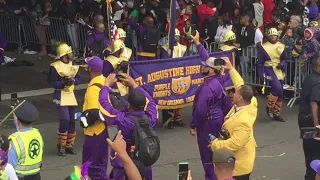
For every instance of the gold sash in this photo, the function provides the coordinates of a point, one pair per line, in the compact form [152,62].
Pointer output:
[178,50]
[126,54]
[67,70]
[274,51]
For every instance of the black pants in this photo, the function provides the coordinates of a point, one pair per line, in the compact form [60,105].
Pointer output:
[243,177]
[31,177]
[311,147]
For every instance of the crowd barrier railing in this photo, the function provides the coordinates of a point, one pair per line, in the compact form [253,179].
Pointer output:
[10,26]
[295,71]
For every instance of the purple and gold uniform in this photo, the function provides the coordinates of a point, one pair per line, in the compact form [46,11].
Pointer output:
[3,45]
[179,50]
[127,54]
[126,125]
[271,64]
[64,97]
[208,114]
[140,30]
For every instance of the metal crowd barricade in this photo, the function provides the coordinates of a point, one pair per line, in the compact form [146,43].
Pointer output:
[10,27]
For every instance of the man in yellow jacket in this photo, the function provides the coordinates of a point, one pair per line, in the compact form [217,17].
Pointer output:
[237,129]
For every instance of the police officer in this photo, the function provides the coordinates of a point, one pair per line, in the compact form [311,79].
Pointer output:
[309,116]
[26,150]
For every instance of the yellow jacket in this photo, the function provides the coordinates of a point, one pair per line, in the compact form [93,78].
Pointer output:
[91,101]
[240,127]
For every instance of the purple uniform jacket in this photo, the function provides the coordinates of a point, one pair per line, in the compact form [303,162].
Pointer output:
[55,80]
[90,40]
[121,118]
[209,104]
[3,44]
[263,56]
[140,30]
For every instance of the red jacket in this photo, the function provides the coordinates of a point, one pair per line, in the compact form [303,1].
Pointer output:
[268,7]
[203,10]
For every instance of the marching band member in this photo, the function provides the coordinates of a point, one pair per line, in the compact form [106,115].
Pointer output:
[116,63]
[63,76]
[229,38]
[127,54]
[271,64]
[173,117]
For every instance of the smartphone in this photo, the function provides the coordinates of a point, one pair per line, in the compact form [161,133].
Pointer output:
[183,171]
[14,99]
[118,76]
[309,132]
[112,132]
[219,62]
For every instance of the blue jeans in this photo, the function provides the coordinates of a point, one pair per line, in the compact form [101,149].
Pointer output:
[244,67]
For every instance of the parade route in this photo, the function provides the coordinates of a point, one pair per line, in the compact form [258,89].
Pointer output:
[279,151]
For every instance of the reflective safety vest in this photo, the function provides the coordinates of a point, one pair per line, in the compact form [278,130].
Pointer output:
[29,147]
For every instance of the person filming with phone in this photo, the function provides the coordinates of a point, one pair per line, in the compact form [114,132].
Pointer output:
[309,117]
[140,111]
[209,106]
[237,129]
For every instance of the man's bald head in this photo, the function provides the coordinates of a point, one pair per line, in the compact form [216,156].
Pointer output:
[98,19]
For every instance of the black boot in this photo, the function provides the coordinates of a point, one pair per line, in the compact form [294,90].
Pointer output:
[71,151]
[269,112]
[278,118]
[61,150]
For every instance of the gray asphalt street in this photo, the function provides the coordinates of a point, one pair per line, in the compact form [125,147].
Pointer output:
[279,152]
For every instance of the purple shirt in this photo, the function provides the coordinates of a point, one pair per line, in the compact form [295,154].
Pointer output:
[91,39]
[121,118]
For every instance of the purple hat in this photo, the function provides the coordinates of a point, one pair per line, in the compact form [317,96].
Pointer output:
[95,63]
[3,157]
[315,165]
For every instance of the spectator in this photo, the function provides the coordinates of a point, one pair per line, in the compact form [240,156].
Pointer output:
[258,12]
[224,26]
[4,9]
[186,33]
[268,8]
[224,162]
[310,45]
[3,44]
[258,37]
[9,170]
[313,9]
[162,16]
[68,10]
[294,24]
[287,40]
[203,10]
[183,6]
[117,8]
[245,38]
[282,29]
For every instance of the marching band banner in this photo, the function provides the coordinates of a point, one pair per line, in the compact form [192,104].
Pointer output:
[172,82]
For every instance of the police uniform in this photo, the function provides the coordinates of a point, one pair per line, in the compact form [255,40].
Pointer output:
[173,116]
[309,93]
[271,64]
[63,77]
[26,151]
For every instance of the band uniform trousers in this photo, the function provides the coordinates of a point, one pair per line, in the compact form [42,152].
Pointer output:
[95,150]
[66,117]
[311,147]
[31,177]
[118,173]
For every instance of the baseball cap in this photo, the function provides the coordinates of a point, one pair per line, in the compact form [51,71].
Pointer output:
[137,99]
[210,63]
[315,165]
[95,63]
[223,155]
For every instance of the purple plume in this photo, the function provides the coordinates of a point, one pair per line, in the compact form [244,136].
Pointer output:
[84,169]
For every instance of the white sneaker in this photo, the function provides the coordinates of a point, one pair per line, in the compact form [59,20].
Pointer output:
[286,86]
[26,51]
[33,52]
